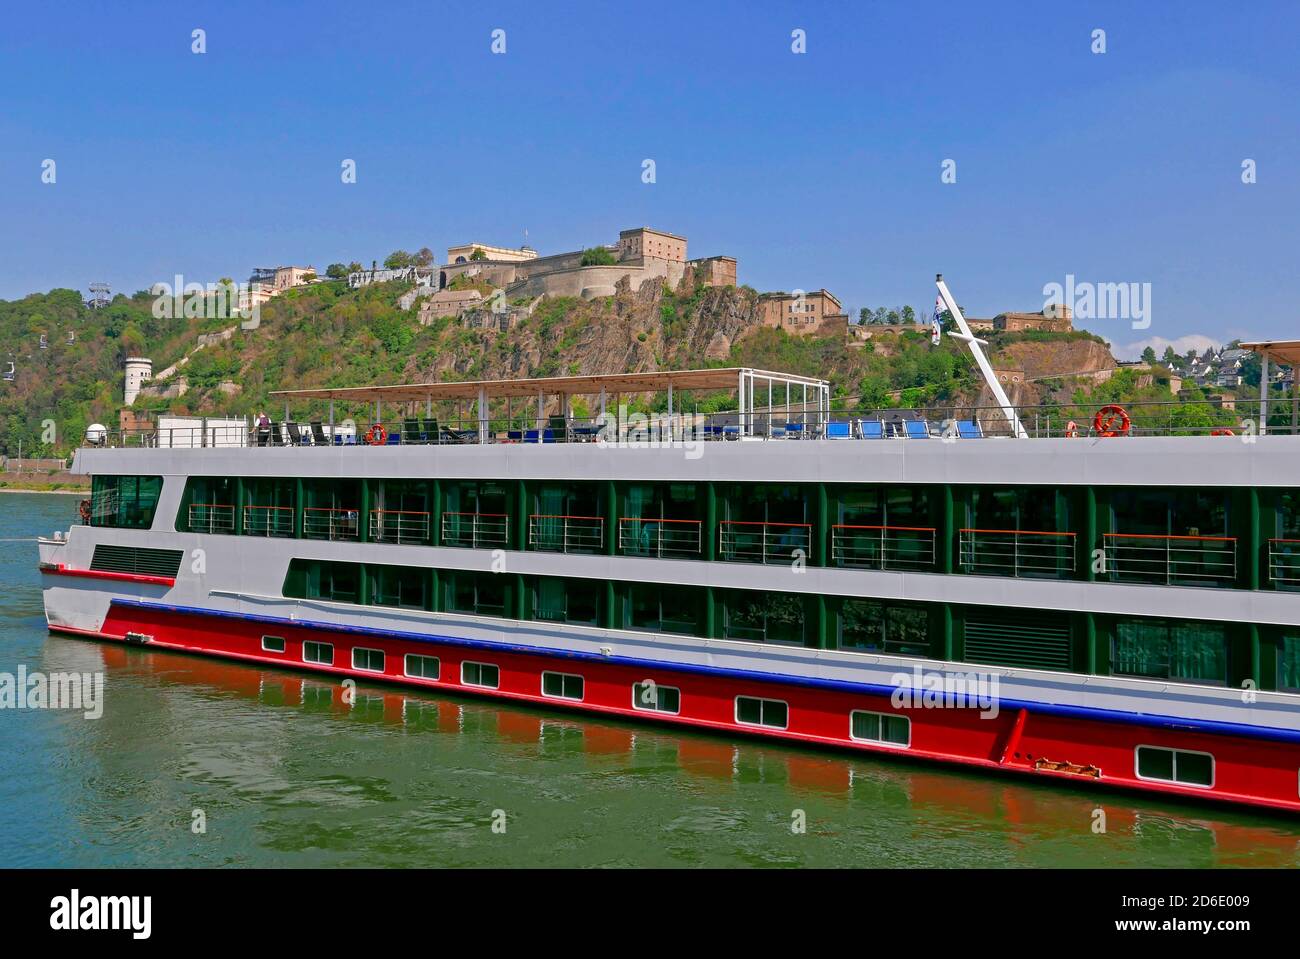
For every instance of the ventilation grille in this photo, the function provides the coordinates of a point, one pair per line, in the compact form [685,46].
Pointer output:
[136,559]
[1038,643]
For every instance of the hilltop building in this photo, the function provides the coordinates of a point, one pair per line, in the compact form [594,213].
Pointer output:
[804,314]
[139,370]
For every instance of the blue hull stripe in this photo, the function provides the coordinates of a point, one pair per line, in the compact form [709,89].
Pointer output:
[1047,709]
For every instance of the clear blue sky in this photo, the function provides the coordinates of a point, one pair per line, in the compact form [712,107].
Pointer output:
[821,169]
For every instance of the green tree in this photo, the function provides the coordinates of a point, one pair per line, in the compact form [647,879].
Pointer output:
[478,254]
[424,257]
[398,260]
[336,271]
[598,256]
[1148,355]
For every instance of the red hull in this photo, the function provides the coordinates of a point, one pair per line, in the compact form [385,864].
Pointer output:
[1088,752]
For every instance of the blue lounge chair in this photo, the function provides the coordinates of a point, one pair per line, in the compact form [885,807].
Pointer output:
[839,431]
[969,430]
[917,429]
[871,429]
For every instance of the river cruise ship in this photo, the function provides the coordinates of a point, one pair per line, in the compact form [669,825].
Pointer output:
[1075,602]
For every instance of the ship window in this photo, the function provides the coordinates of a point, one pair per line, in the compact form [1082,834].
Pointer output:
[482,594]
[124,502]
[562,686]
[1288,663]
[880,728]
[480,674]
[422,667]
[1175,766]
[751,711]
[1195,652]
[400,586]
[313,652]
[652,697]
[371,660]
[664,609]
[868,626]
[558,600]
[273,644]
[763,617]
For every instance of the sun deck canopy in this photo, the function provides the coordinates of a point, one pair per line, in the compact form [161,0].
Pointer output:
[731,378]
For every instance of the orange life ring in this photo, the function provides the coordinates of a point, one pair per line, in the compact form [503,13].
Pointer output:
[85,512]
[1072,429]
[1222,432]
[376,435]
[1111,421]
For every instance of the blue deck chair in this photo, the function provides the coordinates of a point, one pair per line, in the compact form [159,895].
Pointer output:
[839,431]
[871,429]
[917,429]
[969,430]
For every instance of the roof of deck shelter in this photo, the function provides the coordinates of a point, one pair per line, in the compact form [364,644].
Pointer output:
[719,379]
[1279,351]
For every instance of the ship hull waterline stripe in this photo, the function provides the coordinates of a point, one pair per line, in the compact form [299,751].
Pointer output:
[1050,709]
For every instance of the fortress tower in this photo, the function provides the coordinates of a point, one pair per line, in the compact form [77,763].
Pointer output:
[138,372]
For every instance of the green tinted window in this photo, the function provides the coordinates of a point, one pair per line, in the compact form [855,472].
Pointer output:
[124,502]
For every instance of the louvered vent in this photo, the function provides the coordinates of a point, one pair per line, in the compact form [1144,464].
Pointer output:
[136,559]
[1039,642]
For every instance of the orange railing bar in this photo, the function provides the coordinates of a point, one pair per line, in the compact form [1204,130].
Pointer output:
[910,529]
[756,522]
[654,519]
[1217,539]
[1024,532]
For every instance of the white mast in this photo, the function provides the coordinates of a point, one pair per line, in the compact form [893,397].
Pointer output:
[964,334]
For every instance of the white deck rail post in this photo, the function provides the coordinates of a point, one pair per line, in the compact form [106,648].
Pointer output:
[965,335]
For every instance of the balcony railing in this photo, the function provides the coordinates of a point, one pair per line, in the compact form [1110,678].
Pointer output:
[741,541]
[650,536]
[882,547]
[320,522]
[1016,552]
[476,530]
[398,526]
[1171,560]
[268,520]
[1284,563]
[212,518]
[566,534]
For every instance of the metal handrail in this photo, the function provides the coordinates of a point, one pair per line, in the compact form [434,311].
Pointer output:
[1167,561]
[770,543]
[475,530]
[1284,561]
[275,520]
[399,526]
[1016,552]
[660,537]
[882,547]
[211,518]
[565,534]
[322,522]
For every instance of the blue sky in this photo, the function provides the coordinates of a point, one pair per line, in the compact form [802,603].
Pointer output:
[819,169]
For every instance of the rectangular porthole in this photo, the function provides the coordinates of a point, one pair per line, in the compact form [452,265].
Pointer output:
[772,713]
[422,667]
[884,728]
[313,652]
[655,698]
[480,674]
[273,644]
[371,660]
[1182,766]
[562,686]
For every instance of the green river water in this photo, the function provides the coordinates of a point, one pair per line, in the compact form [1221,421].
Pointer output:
[284,773]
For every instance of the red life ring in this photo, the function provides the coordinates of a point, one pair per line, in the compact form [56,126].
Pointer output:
[376,435]
[1111,421]
[1072,429]
[1222,432]
[85,512]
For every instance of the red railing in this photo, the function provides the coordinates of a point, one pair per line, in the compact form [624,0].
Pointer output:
[320,522]
[475,530]
[882,547]
[268,520]
[746,541]
[566,534]
[1171,559]
[1016,552]
[653,536]
[398,526]
[212,518]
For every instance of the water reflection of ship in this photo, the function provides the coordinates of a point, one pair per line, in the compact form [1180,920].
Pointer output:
[1022,809]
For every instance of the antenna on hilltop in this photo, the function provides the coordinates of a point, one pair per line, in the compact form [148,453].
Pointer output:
[99,295]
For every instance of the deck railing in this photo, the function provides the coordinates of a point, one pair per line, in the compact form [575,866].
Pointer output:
[661,538]
[1171,560]
[1284,562]
[742,541]
[883,547]
[268,520]
[320,522]
[398,526]
[211,518]
[566,534]
[476,530]
[1016,552]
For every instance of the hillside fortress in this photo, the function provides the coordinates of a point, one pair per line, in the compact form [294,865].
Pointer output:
[641,254]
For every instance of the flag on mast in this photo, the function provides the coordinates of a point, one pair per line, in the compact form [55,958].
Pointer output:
[935,331]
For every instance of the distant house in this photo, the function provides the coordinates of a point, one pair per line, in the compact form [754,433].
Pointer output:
[803,314]
[448,303]
[1055,319]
